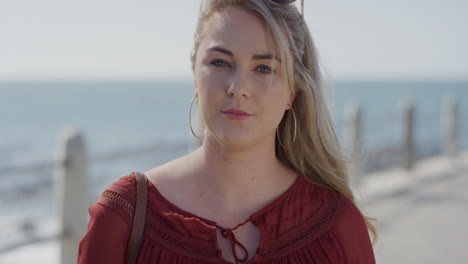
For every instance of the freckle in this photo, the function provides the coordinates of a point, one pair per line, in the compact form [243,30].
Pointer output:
[201,194]
[253,179]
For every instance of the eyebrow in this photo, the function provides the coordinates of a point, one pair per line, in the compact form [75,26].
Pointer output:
[254,57]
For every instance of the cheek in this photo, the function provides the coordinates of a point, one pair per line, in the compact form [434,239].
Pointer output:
[274,104]
[210,95]
[209,80]
[210,89]
[275,95]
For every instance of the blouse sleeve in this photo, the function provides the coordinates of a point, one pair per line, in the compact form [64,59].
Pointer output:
[109,228]
[354,236]
[106,239]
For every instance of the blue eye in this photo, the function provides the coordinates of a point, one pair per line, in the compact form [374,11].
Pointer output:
[264,69]
[219,63]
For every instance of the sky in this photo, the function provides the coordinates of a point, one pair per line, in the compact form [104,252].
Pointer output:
[151,40]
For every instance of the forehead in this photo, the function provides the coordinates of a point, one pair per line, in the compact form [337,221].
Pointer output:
[240,31]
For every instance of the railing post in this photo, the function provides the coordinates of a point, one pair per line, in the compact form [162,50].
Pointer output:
[353,135]
[407,125]
[71,192]
[450,123]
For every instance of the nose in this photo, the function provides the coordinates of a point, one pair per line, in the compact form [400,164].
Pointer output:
[239,85]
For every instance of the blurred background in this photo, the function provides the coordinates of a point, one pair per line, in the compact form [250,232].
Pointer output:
[119,74]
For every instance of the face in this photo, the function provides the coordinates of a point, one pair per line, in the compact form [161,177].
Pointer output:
[242,93]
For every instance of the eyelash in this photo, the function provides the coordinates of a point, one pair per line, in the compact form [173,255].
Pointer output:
[216,64]
[269,70]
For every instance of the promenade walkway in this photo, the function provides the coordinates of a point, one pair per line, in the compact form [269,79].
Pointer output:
[422,215]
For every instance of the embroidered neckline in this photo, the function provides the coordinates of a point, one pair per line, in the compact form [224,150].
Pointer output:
[267,248]
[289,191]
[228,232]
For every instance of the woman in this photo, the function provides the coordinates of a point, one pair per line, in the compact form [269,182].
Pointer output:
[269,183]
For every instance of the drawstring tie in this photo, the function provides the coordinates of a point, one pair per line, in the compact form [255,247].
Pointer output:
[227,233]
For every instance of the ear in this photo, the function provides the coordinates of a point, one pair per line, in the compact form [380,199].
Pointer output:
[292,96]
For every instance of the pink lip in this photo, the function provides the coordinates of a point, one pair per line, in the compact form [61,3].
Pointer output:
[236,114]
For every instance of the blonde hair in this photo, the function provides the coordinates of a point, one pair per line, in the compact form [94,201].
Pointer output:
[316,153]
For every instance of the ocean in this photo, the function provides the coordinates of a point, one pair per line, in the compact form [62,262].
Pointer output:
[135,126]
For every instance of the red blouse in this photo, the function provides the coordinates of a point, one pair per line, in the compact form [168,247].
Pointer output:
[306,224]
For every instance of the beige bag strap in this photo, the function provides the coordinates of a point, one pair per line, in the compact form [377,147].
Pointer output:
[139,217]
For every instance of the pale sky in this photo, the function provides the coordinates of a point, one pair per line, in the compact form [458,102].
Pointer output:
[104,39]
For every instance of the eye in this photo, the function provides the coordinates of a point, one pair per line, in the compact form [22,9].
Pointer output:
[219,63]
[264,69]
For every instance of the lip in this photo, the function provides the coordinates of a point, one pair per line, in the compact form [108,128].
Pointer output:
[236,114]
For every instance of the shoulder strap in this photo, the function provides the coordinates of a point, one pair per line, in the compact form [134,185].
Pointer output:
[139,217]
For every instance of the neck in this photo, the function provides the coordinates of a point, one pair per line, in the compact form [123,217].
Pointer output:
[240,174]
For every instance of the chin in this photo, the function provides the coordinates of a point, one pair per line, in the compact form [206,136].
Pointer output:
[232,140]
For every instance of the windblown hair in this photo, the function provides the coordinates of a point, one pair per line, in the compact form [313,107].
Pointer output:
[316,153]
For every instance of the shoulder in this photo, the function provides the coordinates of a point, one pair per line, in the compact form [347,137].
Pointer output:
[171,178]
[319,220]
[335,206]
[119,196]
[341,219]
[351,230]
[326,209]
[110,224]
[349,217]
[307,211]
[341,212]
[172,169]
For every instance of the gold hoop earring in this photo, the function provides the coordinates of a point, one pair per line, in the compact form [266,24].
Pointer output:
[295,132]
[190,120]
